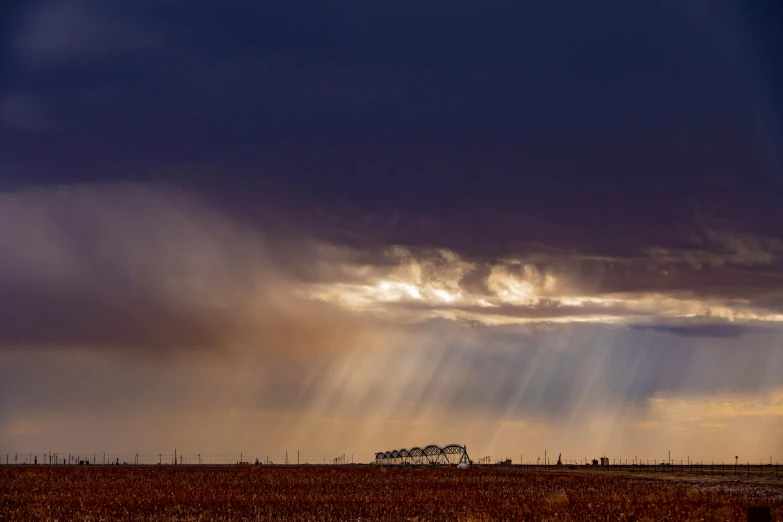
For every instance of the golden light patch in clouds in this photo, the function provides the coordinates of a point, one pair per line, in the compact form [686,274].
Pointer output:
[719,408]
[431,285]
[399,278]
[710,427]
[512,289]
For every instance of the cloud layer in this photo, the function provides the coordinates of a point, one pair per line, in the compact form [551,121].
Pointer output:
[153,300]
[147,265]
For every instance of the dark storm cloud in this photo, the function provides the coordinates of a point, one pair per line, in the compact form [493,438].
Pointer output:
[730,331]
[507,129]
[703,270]
[463,122]
[340,178]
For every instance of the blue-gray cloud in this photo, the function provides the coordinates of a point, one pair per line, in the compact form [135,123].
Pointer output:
[730,331]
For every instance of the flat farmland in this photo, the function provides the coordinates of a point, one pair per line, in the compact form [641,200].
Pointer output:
[169,493]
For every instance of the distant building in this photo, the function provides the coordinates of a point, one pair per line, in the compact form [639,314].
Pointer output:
[604,461]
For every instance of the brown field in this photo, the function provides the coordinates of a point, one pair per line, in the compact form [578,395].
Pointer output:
[365,493]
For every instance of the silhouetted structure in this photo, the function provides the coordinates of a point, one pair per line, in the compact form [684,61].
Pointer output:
[432,454]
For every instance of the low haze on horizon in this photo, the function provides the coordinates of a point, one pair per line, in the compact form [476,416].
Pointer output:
[344,228]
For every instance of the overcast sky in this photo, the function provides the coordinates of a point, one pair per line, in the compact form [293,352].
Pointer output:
[345,227]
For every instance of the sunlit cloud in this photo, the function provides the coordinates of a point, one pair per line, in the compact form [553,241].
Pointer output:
[431,285]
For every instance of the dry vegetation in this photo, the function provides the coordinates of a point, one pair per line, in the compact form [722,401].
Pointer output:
[364,493]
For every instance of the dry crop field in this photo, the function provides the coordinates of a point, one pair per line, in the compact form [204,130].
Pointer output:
[364,493]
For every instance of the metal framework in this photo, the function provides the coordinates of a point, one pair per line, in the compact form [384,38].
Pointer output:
[432,454]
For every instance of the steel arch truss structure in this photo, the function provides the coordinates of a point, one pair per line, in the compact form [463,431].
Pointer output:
[432,454]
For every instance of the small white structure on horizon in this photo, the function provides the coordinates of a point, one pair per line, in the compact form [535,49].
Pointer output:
[463,465]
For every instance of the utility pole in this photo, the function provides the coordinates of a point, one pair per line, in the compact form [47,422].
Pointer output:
[297,458]
[175,456]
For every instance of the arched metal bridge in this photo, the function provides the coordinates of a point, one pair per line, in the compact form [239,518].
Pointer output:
[432,454]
